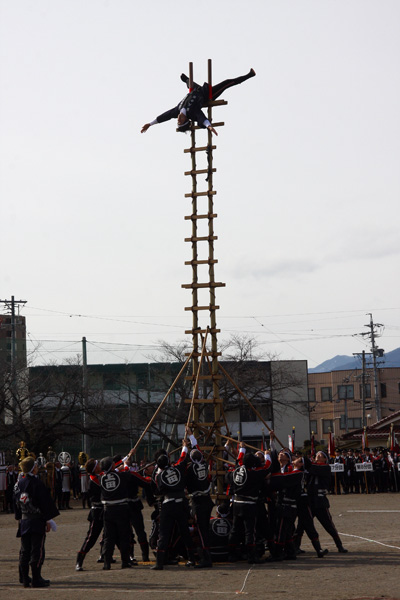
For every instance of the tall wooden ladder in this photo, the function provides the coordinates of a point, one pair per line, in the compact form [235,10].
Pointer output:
[204,329]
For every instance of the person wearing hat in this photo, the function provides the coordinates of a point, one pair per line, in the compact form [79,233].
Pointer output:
[35,510]
[189,109]
[170,482]
[198,483]
[286,481]
[317,487]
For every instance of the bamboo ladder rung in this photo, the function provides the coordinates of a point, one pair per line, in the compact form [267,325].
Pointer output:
[197,194]
[200,171]
[199,149]
[198,354]
[217,102]
[195,217]
[204,401]
[209,261]
[210,284]
[204,331]
[205,238]
[214,425]
[202,377]
[221,124]
[218,473]
[209,307]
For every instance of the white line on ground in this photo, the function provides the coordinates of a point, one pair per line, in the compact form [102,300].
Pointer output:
[373,511]
[368,540]
[244,583]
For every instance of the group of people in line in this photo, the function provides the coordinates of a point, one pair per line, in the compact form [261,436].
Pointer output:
[383,477]
[271,498]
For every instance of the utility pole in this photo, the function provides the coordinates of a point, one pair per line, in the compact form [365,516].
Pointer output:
[85,393]
[376,352]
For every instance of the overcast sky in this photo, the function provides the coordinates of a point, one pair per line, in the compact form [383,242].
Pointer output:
[92,212]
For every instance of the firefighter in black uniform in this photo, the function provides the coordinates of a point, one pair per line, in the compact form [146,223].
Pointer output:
[96,512]
[170,486]
[246,483]
[199,486]
[190,107]
[115,491]
[34,509]
[286,481]
[317,487]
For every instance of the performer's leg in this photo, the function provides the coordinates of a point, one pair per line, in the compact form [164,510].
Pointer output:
[218,89]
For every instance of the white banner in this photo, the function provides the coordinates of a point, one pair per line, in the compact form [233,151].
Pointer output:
[337,468]
[366,466]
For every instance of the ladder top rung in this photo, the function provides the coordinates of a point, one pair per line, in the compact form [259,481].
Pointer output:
[195,217]
[217,103]
[211,284]
[210,261]
[196,194]
[214,425]
[209,307]
[199,148]
[200,171]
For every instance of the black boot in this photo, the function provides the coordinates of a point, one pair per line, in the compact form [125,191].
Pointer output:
[341,548]
[252,559]
[159,566]
[206,560]
[24,576]
[317,547]
[79,561]
[37,579]
[145,551]
[192,559]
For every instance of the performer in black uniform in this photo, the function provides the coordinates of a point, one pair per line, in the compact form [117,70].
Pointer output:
[34,509]
[96,513]
[317,487]
[199,486]
[115,491]
[246,482]
[189,109]
[170,482]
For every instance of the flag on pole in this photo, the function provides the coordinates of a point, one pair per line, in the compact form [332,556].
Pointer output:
[312,445]
[331,445]
[290,443]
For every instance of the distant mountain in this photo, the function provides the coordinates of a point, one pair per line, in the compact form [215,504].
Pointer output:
[347,363]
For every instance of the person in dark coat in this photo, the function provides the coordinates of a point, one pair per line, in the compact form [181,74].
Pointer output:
[34,509]
[189,109]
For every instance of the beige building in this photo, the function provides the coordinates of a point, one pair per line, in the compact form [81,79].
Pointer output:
[336,400]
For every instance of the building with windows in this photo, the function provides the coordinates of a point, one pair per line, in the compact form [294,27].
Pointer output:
[338,404]
[12,341]
[120,399]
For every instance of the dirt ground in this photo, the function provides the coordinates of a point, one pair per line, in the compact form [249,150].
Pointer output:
[369,527]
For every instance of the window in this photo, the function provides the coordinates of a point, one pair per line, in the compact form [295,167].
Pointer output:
[247,414]
[383,390]
[327,425]
[314,427]
[367,387]
[352,423]
[326,394]
[345,392]
[311,394]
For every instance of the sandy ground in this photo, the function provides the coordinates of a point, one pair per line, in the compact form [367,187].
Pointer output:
[369,526]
